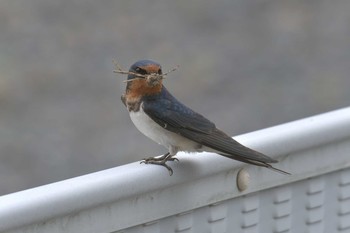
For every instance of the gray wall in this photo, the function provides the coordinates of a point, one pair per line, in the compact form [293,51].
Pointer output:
[245,65]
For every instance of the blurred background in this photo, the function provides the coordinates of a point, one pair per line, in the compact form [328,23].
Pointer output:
[245,65]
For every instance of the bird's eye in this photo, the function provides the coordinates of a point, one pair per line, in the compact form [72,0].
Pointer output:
[140,71]
[160,71]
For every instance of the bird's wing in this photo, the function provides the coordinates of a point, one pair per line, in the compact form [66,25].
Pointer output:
[176,117]
[229,147]
[180,119]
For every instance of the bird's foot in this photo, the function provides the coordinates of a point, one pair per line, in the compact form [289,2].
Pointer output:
[158,159]
[161,161]
[166,157]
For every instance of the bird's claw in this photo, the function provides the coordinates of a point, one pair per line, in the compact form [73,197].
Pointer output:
[150,159]
[160,161]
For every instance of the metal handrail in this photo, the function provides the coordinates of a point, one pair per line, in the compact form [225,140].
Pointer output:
[133,187]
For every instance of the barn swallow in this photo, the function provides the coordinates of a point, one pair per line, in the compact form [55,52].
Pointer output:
[165,120]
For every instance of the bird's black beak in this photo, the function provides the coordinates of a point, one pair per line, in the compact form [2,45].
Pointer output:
[154,79]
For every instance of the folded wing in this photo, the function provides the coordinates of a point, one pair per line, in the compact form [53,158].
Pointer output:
[177,118]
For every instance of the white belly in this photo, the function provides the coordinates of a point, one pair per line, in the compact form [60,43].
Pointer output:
[151,129]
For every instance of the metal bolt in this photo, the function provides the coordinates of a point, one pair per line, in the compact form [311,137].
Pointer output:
[243,179]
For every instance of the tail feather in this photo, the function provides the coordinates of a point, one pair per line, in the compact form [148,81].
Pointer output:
[277,170]
[257,163]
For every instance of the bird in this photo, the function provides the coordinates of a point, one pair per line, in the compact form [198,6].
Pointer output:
[164,119]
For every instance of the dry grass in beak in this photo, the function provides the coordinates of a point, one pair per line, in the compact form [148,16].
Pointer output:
[152,79]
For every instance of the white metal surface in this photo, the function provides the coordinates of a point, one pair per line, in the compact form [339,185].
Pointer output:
[308,205]
[203,192]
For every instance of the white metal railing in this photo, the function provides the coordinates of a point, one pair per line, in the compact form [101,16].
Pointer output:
[202,193]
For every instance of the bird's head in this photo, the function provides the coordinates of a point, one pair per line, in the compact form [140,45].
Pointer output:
[149,71]
[145,78]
